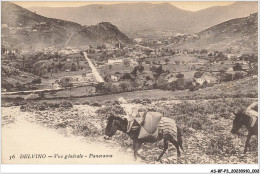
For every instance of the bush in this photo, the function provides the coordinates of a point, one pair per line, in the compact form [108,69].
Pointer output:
[136,100]
[180,76]
[66,104]
[221,144]
[54,105]
[149,101]
[237,67]
[225,77]
[198,74]
[37,81]
[180,84]
[196,124]
[96,104]
[238,75]
[46,105]
[107,111]
[85,128]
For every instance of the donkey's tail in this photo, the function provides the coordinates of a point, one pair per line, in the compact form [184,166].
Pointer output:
[179,137]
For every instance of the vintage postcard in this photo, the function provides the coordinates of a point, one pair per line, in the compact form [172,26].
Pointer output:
[129,82]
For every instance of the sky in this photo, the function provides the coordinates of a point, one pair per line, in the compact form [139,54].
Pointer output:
[185,5]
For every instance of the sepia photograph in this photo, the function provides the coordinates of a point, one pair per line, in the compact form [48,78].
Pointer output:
[129,82]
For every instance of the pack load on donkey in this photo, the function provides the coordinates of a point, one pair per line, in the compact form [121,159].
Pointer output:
[252,111]
[149,127]
[151,122]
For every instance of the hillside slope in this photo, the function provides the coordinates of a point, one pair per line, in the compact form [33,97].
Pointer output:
[236,35]
[25,30]
[101,33]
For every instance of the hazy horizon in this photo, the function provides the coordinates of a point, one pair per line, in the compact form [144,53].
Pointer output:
[184,5]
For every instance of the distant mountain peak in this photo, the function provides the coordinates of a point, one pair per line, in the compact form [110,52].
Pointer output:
[31,31]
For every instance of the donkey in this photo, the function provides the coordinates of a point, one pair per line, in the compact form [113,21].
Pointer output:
[242,119]
[118,123]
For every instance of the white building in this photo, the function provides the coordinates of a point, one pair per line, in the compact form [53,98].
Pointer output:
[114,78]
[138,40]
[200,81]
[114,61]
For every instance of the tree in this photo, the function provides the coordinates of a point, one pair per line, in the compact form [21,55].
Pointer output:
[180,76]
[198,74]
[148,52]
[237,67]
[157,71]
[221,56]
[203,51]
[127,76]
[73,67]
[37,81]
[140,61]
[166,61]
[139,68]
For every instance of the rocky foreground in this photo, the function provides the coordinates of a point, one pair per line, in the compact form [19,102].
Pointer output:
[211,143]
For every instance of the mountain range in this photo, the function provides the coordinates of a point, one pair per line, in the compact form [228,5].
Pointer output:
[25,30]
[135,18]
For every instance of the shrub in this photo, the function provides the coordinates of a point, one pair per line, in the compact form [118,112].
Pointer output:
[238,75]
[97,104]
[147,100]
[136,100]
[198,74]
[54,105]
[85,128]
[162,84]
[237,67]
[107,111]
[46,105]
[196,124]
[66,104]
[180,76]
[148,78]
[37,81]
[180,84]
[221,144]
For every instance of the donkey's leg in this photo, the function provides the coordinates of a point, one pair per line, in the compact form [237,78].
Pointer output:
[247,141]
[176,144]
[135,148]
[179,137]
[139,145]
[165,147]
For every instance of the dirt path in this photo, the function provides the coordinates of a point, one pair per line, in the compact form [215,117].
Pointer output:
[22,137]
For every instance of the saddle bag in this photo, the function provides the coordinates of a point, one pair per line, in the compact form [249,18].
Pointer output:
[149,129]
